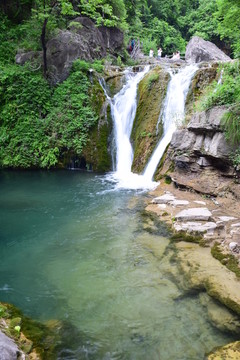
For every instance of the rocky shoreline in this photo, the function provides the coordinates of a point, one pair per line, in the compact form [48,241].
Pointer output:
[207,238]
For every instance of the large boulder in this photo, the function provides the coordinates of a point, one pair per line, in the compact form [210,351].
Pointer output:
[8,349]
[201,50]
[83,41]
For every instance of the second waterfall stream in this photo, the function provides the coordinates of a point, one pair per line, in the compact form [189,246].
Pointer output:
[123,109]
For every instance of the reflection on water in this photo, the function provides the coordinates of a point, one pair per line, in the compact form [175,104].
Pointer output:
[70,250]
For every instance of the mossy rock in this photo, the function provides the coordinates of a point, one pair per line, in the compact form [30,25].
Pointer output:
[3,311]
[151,94]
[32,334]
[115,83]
[203,77]
[183,236]
[226,259]
[97,150]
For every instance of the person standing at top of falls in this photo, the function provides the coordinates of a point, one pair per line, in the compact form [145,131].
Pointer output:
[159,53]
[151,53]
[176,55]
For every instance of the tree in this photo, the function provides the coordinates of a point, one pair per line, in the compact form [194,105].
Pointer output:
[48,11]
[200,21]
[103,12]
[228,23]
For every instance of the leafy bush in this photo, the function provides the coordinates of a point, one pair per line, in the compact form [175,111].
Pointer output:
[38,123]
[231,124]
[227,91]
[235,157]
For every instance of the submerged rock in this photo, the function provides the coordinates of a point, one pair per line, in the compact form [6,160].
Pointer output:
[201,50]
[220,317]
[228,352]
[204,272]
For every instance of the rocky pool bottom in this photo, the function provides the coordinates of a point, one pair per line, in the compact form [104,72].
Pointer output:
[101,275]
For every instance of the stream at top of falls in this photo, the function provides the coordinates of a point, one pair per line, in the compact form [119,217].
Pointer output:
[74,251]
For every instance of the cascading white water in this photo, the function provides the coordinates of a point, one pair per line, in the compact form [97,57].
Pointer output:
[173,113]
[123,109]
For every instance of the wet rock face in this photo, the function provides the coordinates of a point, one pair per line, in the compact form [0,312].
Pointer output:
[147,129]
[83,41]
[199,50]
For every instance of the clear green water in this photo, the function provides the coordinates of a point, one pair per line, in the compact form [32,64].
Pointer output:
[73,250]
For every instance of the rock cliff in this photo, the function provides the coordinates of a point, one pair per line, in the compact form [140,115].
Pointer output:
[83,41]
[199,154]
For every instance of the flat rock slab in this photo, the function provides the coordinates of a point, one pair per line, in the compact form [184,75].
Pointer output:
[194,214]
[236,225]
[179,202]
[200,202]
[191,226]
[226,218]
[164,199]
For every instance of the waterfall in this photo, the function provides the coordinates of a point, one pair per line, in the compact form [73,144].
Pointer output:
[123,110]
[173,113]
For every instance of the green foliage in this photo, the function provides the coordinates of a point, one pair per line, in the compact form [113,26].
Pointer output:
[81,65]
[7,40]
[231,125]
[72,109]
[227,92]
[183,236]
[228,23]
[152,79]
[107,13]
[235,158]
[39,124]
[199,21]
[167,36]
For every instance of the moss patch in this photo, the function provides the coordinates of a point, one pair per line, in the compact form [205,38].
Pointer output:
[226,259]
[203,77]
[182,236]
[28,334]
[151,93]
[97,150]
